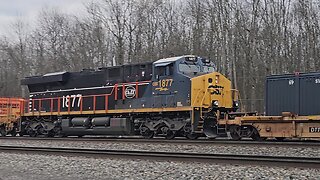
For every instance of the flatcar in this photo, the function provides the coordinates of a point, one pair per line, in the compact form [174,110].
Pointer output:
[261,127]
[177,96]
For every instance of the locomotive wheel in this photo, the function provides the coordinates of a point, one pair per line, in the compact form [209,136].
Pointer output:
[33,133]
[2,132]
[170,135]
[235,133]
[50,133]
[146,133]
[192,136]
[13,133]
[58,132]
[167,133]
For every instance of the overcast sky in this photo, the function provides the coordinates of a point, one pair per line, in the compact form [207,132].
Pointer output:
[28,10]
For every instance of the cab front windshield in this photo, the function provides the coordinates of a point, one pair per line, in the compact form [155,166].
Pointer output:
[208,68]
[195,68]
[189,68]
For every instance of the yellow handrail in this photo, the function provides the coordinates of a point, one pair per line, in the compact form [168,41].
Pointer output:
[203,97]
[196,98]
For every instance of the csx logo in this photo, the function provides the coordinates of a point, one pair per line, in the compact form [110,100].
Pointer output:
[130,92]
[216,89]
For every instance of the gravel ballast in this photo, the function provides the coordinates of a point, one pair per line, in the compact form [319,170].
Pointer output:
[39,167]
[196,148]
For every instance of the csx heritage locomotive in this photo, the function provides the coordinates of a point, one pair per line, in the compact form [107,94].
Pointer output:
[178,96]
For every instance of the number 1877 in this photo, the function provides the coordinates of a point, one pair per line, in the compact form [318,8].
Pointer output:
[72,100]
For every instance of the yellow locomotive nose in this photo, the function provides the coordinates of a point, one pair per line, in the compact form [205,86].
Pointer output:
[211,90]
[210,94]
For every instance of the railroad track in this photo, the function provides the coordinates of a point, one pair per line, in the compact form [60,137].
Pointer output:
[172,156]
[174,141]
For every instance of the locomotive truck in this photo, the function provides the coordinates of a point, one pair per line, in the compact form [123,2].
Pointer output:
[178,96]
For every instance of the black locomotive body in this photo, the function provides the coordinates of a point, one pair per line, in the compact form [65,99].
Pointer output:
[142,99]
[75,91]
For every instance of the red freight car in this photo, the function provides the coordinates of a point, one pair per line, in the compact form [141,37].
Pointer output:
[10,112]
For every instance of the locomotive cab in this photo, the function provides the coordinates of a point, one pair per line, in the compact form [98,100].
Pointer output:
[193,81]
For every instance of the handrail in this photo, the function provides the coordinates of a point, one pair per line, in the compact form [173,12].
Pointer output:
[202,103]
[204,97]
[235,94]
[192,104]
[58,99]
[52,99]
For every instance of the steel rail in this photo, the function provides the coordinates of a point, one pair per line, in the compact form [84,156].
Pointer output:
[312,144]
[172,156]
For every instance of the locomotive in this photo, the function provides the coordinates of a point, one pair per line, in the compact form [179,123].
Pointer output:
[177,96]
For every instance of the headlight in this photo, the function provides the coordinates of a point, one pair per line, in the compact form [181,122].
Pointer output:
[236,104]
[215,103]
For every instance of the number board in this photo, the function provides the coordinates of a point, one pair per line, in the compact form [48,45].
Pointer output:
[314,129]
[73,100]
[163,84]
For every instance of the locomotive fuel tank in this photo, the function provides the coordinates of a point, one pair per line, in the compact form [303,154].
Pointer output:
[98,126]
[101,122]
[80,121]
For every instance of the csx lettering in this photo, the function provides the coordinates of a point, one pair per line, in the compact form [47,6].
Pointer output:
[216,86]
[216,91]
[155,84]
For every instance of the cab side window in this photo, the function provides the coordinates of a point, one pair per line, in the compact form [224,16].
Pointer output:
[167,70]
[161,71]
